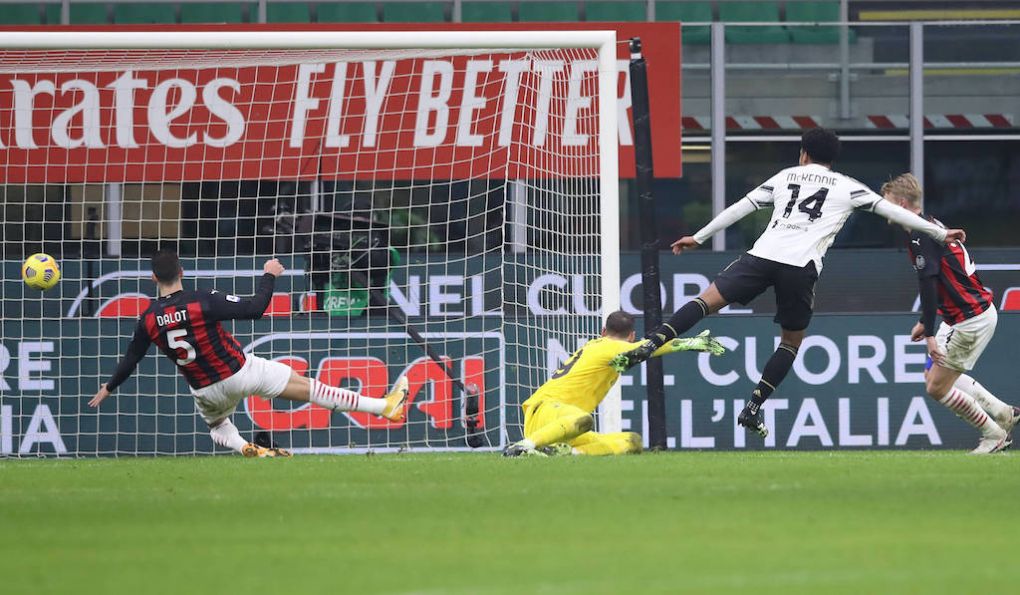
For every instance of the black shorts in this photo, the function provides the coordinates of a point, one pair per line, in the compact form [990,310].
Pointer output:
[748,276]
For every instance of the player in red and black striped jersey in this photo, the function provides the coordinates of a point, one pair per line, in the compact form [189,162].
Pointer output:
[949,285]
[186,326]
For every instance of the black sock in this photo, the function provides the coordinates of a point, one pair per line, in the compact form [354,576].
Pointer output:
[681,320]
[776,369]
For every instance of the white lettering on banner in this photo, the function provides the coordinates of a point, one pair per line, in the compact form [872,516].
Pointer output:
[434,135]
[410,302]
[5,360]
[375,94]
[751,358]
[470,103]
[809,422]
[303,102]
[883,421]
[907,353]
[846,437]
[623,104]
[687,437]
[769,410]
[511,91]
[42,429]
[917,421]
[186,111]
[831,353]
[439,298]
[26,366]
[857,362]
[24,109]
[124,88]
[88,107]
[160,119]
[739,433]
[541,282]
[6,430]
[547,70]
[576,102]
[224,110]
[709,374]
[334,139]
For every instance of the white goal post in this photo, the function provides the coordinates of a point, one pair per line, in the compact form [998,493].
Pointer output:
[480,169]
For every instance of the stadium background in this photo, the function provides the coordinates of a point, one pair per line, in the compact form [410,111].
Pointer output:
[780,77]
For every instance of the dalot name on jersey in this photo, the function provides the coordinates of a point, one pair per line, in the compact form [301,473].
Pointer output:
[171,318]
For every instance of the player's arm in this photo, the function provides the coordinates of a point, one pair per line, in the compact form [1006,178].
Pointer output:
[759,198]
[137,349]
[231,307]
[867,200]
[927,280]
[703,341]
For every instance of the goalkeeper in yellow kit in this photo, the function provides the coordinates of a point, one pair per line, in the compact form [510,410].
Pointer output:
[557,418]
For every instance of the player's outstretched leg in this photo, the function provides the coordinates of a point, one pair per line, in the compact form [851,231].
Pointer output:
[940,383]
[775,371]
[334,398]
[224,433]
[1007,416]
[550,422]
[709,302]
[617,443]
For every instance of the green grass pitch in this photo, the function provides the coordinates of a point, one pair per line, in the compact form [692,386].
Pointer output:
[476,523]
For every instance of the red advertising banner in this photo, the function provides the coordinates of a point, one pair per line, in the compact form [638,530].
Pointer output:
[357,117]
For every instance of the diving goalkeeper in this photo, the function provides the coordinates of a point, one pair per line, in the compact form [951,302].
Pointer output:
[557,418]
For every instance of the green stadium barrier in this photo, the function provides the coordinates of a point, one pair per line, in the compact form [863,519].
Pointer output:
[615,11]
[287,12]
[552,12]
[414,12]
[687,12]
[144,12]
[486,12]
[220,12]
[752,12]
[347,12]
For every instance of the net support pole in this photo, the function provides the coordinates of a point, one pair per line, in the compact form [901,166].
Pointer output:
[651,297]
[611,409]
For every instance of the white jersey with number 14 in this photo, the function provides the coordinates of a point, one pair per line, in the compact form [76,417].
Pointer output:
[810,205]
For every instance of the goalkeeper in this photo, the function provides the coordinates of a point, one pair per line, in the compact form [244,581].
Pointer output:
[557,418]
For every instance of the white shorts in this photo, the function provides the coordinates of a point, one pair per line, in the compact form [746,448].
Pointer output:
[258,376]
[964,342]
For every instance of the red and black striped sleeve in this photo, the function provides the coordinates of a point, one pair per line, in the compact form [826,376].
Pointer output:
[221,306]
[137,349]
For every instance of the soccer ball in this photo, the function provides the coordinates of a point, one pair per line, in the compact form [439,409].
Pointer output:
[40,272]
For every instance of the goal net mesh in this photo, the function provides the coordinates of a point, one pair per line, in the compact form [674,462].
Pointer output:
[423,201]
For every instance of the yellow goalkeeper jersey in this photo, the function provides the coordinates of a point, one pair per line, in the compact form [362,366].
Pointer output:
[585,378]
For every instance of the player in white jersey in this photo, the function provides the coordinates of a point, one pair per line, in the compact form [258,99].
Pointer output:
[810,205]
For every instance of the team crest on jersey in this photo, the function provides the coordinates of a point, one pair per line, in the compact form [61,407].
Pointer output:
[919,262]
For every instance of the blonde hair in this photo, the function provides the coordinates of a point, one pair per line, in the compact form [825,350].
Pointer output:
[904,186]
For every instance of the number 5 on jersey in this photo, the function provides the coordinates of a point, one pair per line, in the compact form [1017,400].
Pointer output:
[174,342]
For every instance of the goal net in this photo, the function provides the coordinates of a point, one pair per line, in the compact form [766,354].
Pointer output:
[444,202]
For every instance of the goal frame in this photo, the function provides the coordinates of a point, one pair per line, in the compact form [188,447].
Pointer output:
[610,412]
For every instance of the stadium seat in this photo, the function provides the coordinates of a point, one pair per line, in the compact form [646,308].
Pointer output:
[142,13]
[687,12]
[615,11]
[226,12]
[552,12]
[89,14]
[347,12]
[22,14]
[486,12]
[414,12]
[286,12]
[814,12]
[752,12]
